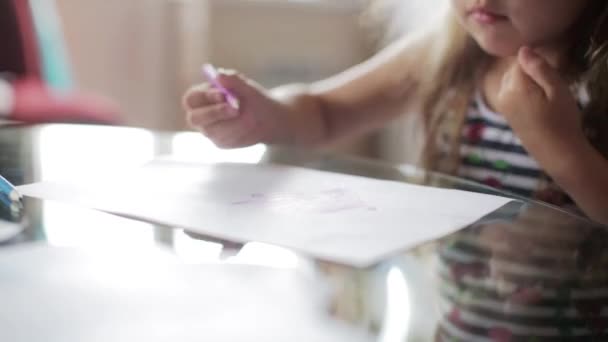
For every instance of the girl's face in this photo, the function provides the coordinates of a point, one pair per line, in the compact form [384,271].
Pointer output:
[501,27]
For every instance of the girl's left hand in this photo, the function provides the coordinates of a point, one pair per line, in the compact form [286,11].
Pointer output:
[540,108]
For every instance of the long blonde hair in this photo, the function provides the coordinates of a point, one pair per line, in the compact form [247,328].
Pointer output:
[456,63]
[451,73]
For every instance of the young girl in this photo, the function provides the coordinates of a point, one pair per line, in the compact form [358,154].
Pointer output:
[513,93]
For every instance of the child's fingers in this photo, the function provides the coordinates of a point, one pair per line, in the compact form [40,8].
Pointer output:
[228,134]
[539,70]
[209,115]
[524,82]
[201,96]
[209,97]
[194,91]
[237,84]
[517,81]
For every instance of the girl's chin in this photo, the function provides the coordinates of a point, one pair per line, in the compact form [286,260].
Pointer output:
[498,49]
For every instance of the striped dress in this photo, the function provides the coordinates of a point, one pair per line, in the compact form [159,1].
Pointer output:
[493,155]
[543,276]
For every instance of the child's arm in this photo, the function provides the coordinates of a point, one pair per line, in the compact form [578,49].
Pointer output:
[358,100]
[585,177]
[544,114]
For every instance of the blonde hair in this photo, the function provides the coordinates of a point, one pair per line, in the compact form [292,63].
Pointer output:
[452,69]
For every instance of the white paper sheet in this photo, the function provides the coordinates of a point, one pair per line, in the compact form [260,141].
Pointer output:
[342,218]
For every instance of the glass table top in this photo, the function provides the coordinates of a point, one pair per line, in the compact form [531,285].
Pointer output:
[527,272]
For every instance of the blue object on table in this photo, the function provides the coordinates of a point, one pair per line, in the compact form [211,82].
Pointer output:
[12,214]
[9,195]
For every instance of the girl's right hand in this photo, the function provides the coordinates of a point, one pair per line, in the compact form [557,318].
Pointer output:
[258,118]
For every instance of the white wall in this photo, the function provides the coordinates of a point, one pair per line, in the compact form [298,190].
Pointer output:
[145,53]
[275,41]
[125,49]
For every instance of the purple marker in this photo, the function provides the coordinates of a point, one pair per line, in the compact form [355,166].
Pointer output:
[211,74]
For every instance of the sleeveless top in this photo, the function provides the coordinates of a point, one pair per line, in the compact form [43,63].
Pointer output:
[492,154]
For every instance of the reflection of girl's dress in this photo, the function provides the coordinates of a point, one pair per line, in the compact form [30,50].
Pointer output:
[542,278]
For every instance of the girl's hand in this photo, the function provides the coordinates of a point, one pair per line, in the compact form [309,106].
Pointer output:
[540,108]
[257,119]
[542,111]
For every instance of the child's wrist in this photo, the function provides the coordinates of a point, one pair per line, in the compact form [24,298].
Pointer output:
[573,162]
[298,119]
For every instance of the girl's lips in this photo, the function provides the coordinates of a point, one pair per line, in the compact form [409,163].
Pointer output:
[484,16]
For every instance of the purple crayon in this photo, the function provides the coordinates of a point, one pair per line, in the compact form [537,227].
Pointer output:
[211,74]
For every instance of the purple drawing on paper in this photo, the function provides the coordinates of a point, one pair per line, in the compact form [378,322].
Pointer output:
[329,201]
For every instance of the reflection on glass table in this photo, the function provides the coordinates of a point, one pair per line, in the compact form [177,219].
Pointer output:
[528,272]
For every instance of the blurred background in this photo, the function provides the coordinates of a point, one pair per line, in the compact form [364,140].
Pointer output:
[143,54]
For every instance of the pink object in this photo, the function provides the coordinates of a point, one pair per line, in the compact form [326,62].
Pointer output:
[211,74]
[27,94]
[35,102]
[500,334]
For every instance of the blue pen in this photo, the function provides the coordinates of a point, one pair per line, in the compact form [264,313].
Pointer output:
[10,198]
[8,189]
